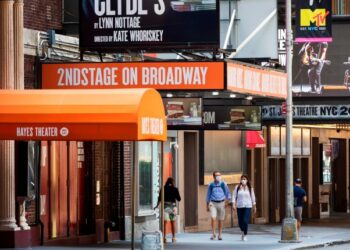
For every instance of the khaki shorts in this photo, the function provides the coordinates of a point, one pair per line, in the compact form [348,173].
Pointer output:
[298,213]
[217,210]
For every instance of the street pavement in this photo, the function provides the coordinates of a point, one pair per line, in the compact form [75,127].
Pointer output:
[314,234]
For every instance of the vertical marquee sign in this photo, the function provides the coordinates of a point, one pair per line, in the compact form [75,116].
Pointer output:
[117,25]
[313,21]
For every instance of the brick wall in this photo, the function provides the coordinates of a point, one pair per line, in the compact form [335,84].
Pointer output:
[128,161]
[43,14]
[30,71]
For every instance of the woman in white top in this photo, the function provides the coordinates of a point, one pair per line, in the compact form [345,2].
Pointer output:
[243,199]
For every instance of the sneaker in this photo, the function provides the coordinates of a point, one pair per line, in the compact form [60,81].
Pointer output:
[242,236]
[173,239]
[245,238]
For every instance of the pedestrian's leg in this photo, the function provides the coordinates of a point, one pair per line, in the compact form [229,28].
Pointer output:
[173,230]
[240,217]
[246,218]
[164,230]
[213,215]
[220,229]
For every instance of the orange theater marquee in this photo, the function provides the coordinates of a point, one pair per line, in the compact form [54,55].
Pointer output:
[136,114]
[248,79]
[162,76]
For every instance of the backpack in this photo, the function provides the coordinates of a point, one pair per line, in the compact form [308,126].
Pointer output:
[222,185]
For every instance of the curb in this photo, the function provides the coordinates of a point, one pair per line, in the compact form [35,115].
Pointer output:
[326,244]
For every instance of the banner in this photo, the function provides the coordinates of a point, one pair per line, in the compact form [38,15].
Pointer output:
[164,75]
[115,25]
[313,21]
[309,112]
[251,79]
[323,69]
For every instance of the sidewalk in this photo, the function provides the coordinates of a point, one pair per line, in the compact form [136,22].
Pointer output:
[313,234]
[316,233]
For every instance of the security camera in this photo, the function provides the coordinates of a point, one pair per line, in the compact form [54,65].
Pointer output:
[174,144]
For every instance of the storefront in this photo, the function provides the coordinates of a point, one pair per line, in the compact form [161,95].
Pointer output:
[53,116]
[321,156]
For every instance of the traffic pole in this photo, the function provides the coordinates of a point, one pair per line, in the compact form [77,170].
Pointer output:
[289,232]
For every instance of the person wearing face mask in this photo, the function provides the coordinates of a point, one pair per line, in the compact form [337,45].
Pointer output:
[243,200]
[217,195]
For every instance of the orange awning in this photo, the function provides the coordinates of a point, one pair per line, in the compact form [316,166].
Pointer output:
[136,114]
[254,139]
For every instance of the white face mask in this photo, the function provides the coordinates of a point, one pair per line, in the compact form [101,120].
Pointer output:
[218,178]
[244,182]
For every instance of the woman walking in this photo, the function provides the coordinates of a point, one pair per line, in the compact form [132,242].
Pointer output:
[171,195]
[243,200]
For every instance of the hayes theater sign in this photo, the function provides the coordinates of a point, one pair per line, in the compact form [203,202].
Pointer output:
[165,75]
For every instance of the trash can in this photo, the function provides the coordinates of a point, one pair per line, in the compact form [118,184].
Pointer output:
[152,241]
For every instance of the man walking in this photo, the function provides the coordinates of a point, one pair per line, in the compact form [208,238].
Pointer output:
[299,199]
[217,196]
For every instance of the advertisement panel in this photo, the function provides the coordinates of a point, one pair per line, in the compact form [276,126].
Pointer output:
[183,111]
[323,69]
[313,21]
[115,25]
[252,79]
[232,117]
[164,75]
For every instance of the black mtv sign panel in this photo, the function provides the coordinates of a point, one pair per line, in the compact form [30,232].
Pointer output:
[313,21]
[119,25]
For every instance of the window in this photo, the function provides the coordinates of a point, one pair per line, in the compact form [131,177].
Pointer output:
[145,173]
[341,7]
[301,141]
[147,176]
[222,152]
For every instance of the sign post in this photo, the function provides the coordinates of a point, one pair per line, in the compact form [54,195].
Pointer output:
[289,232]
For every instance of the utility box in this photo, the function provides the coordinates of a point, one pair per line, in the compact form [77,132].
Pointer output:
[152,241]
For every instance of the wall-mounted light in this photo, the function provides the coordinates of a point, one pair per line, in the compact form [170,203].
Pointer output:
[233,95]
[249,98]
[169,95]
[215,93]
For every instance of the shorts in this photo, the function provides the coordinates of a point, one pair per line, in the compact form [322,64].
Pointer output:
[298,213]
[170,211]
[217,209]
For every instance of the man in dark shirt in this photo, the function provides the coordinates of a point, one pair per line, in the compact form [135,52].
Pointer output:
[299,199]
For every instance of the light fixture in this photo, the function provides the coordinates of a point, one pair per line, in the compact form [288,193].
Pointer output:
[249,98]
[233,95]
[169,95]
[215,93]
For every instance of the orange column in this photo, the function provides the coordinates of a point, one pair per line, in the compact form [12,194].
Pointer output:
[7,164]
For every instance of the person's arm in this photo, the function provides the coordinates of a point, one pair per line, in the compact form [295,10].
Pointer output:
[305,197]
[178,197]
[253,200]
[234,192]
[159,198]
[208,196]
[227,193]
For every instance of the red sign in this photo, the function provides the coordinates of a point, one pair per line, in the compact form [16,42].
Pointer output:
[164,75]
[284,108]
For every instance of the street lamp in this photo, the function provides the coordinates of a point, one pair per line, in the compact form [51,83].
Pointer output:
[289,232]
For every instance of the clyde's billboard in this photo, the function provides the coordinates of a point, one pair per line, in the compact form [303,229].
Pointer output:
[116,25]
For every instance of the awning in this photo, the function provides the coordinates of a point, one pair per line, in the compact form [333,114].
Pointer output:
[136,114]
[254,139]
